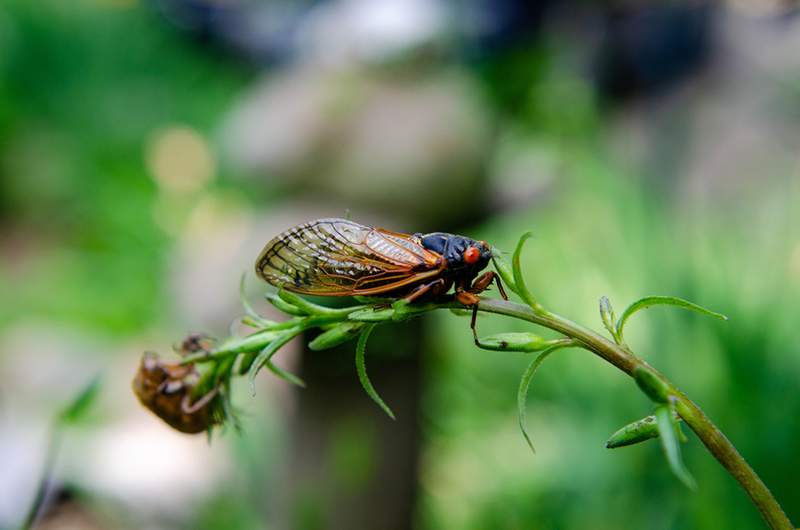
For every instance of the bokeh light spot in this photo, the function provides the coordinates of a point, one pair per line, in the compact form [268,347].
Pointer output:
[179,159]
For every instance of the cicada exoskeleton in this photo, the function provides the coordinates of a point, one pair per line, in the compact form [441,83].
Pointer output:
[166,389]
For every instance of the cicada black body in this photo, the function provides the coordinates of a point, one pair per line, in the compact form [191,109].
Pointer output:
[337,257]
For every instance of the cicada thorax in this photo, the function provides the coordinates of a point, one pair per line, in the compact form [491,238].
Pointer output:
[166,389]
[463,257]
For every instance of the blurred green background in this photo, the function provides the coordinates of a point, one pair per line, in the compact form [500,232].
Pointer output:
[148,150]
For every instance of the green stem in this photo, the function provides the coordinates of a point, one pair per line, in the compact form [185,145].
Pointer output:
[45,479]
[618,355]
[714,440]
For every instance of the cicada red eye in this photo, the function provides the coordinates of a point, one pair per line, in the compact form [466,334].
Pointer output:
[472,255]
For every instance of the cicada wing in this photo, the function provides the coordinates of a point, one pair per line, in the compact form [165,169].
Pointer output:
[336,257]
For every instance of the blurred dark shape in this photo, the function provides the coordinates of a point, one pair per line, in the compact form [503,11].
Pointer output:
[166,389]
[352,466]
[66,511]
[497,26]
[260,32]
[412,144]
[196,342]
[646,49]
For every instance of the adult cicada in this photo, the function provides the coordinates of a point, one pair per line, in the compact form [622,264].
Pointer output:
[337,257]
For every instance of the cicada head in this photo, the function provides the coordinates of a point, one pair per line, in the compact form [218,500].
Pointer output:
[465,257]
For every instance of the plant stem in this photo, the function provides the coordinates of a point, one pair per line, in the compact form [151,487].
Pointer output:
[716,442]
[45,480]
[617,354]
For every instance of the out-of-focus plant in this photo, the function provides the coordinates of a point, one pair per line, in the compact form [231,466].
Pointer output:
[193,394]
[72,414]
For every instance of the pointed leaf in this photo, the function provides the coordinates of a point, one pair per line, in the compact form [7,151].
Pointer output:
[670,445]
[81,403]
[524,384]
[338,334]
[503,268]
[256,319]
[641,431]
[289,377]
[304,305]
[519,281]
[266,354]
[284,306]
[515,341]
[634,433]
[361,369]
[650,301]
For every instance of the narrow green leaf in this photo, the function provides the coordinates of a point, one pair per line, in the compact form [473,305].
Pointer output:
[525,383]
[515,341]
[283,374]
[634,433]
[503,268]
[361,369]
[228,412]
[304,305]
[81,403]
[519,281]
[608,317]
[246,362]
[640,431]
[336,335]
[650,301]
[265,356]
[256,319]
[283,306]
[670,445]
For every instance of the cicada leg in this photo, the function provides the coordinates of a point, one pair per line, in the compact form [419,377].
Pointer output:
[484,281]
[470,299]
[434,287]
[190,408]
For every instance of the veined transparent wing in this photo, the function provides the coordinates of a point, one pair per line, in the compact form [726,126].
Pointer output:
[336,257]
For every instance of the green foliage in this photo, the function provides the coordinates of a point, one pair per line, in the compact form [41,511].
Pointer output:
[519,280]
[514,341]
[650,301]
[668,433]
[336,335]
[361,369]
[634,433]
[608,317]
[77,106]
[78,408]
[504,269]
[639,431]
[524,385]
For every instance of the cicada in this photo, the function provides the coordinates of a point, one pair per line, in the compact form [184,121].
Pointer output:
[337,257]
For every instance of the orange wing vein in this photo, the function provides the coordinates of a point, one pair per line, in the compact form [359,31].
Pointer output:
[336,257]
